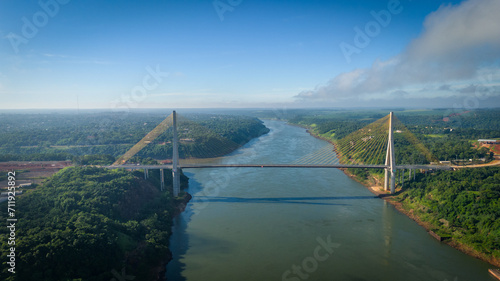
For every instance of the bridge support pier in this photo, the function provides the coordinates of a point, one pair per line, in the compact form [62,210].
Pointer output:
[386,179]
[146,174]
[402,178]
[390,161]
[175,159]
[162,180]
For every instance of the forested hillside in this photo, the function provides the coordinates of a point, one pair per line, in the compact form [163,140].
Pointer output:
[62,136]
[205,136]
[447,136]
[83,223]
[463,205]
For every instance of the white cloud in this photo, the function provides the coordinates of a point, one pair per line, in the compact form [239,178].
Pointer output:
[50,57]
[167,94]
[458,43]
[55,55]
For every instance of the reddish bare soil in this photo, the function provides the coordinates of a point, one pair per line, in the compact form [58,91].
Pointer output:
[31,172]
[33,166]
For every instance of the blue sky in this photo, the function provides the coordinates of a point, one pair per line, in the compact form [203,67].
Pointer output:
[241,53]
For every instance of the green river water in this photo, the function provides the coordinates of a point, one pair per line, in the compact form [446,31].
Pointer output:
[300,224]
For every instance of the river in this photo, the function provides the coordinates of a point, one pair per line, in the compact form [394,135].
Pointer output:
[300,224]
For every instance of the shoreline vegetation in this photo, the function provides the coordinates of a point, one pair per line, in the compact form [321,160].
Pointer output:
[53,137]
[85,214]
[87,223]
[374,185]
[117,211]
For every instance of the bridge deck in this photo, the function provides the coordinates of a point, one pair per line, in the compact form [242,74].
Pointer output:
[201,166]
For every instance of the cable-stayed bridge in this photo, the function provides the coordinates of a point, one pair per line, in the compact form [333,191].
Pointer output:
[368,148]
[339,166]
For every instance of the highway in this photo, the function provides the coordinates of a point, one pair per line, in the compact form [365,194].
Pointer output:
[338,166]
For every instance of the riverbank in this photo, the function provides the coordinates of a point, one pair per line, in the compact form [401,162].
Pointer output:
[224,231]
[391,199]
[375,186]
[429,227]
[180,205]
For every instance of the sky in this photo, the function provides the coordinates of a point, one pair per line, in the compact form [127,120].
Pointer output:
[119,55]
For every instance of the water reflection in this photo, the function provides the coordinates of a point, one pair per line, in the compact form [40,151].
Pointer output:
[262,222]
[387,220]
[286,200]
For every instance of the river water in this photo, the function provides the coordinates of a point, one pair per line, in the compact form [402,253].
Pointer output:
[300,224]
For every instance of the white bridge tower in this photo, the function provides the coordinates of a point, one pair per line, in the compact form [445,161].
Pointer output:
[390,160]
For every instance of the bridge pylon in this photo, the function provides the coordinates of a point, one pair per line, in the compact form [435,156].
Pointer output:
[175,159]
[390,161]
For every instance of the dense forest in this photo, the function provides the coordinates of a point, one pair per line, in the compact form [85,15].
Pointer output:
[203,136]
[448,136]
[63,136]
[83,223]
[463,205]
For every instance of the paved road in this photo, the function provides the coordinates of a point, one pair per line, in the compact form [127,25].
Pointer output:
[492,163]
[197,166]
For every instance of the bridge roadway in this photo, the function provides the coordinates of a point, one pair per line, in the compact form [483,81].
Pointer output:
[198,166]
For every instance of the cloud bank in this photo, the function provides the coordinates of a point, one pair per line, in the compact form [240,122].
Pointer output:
[459,44]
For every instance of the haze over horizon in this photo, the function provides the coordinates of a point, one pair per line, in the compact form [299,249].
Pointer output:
[62,54]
